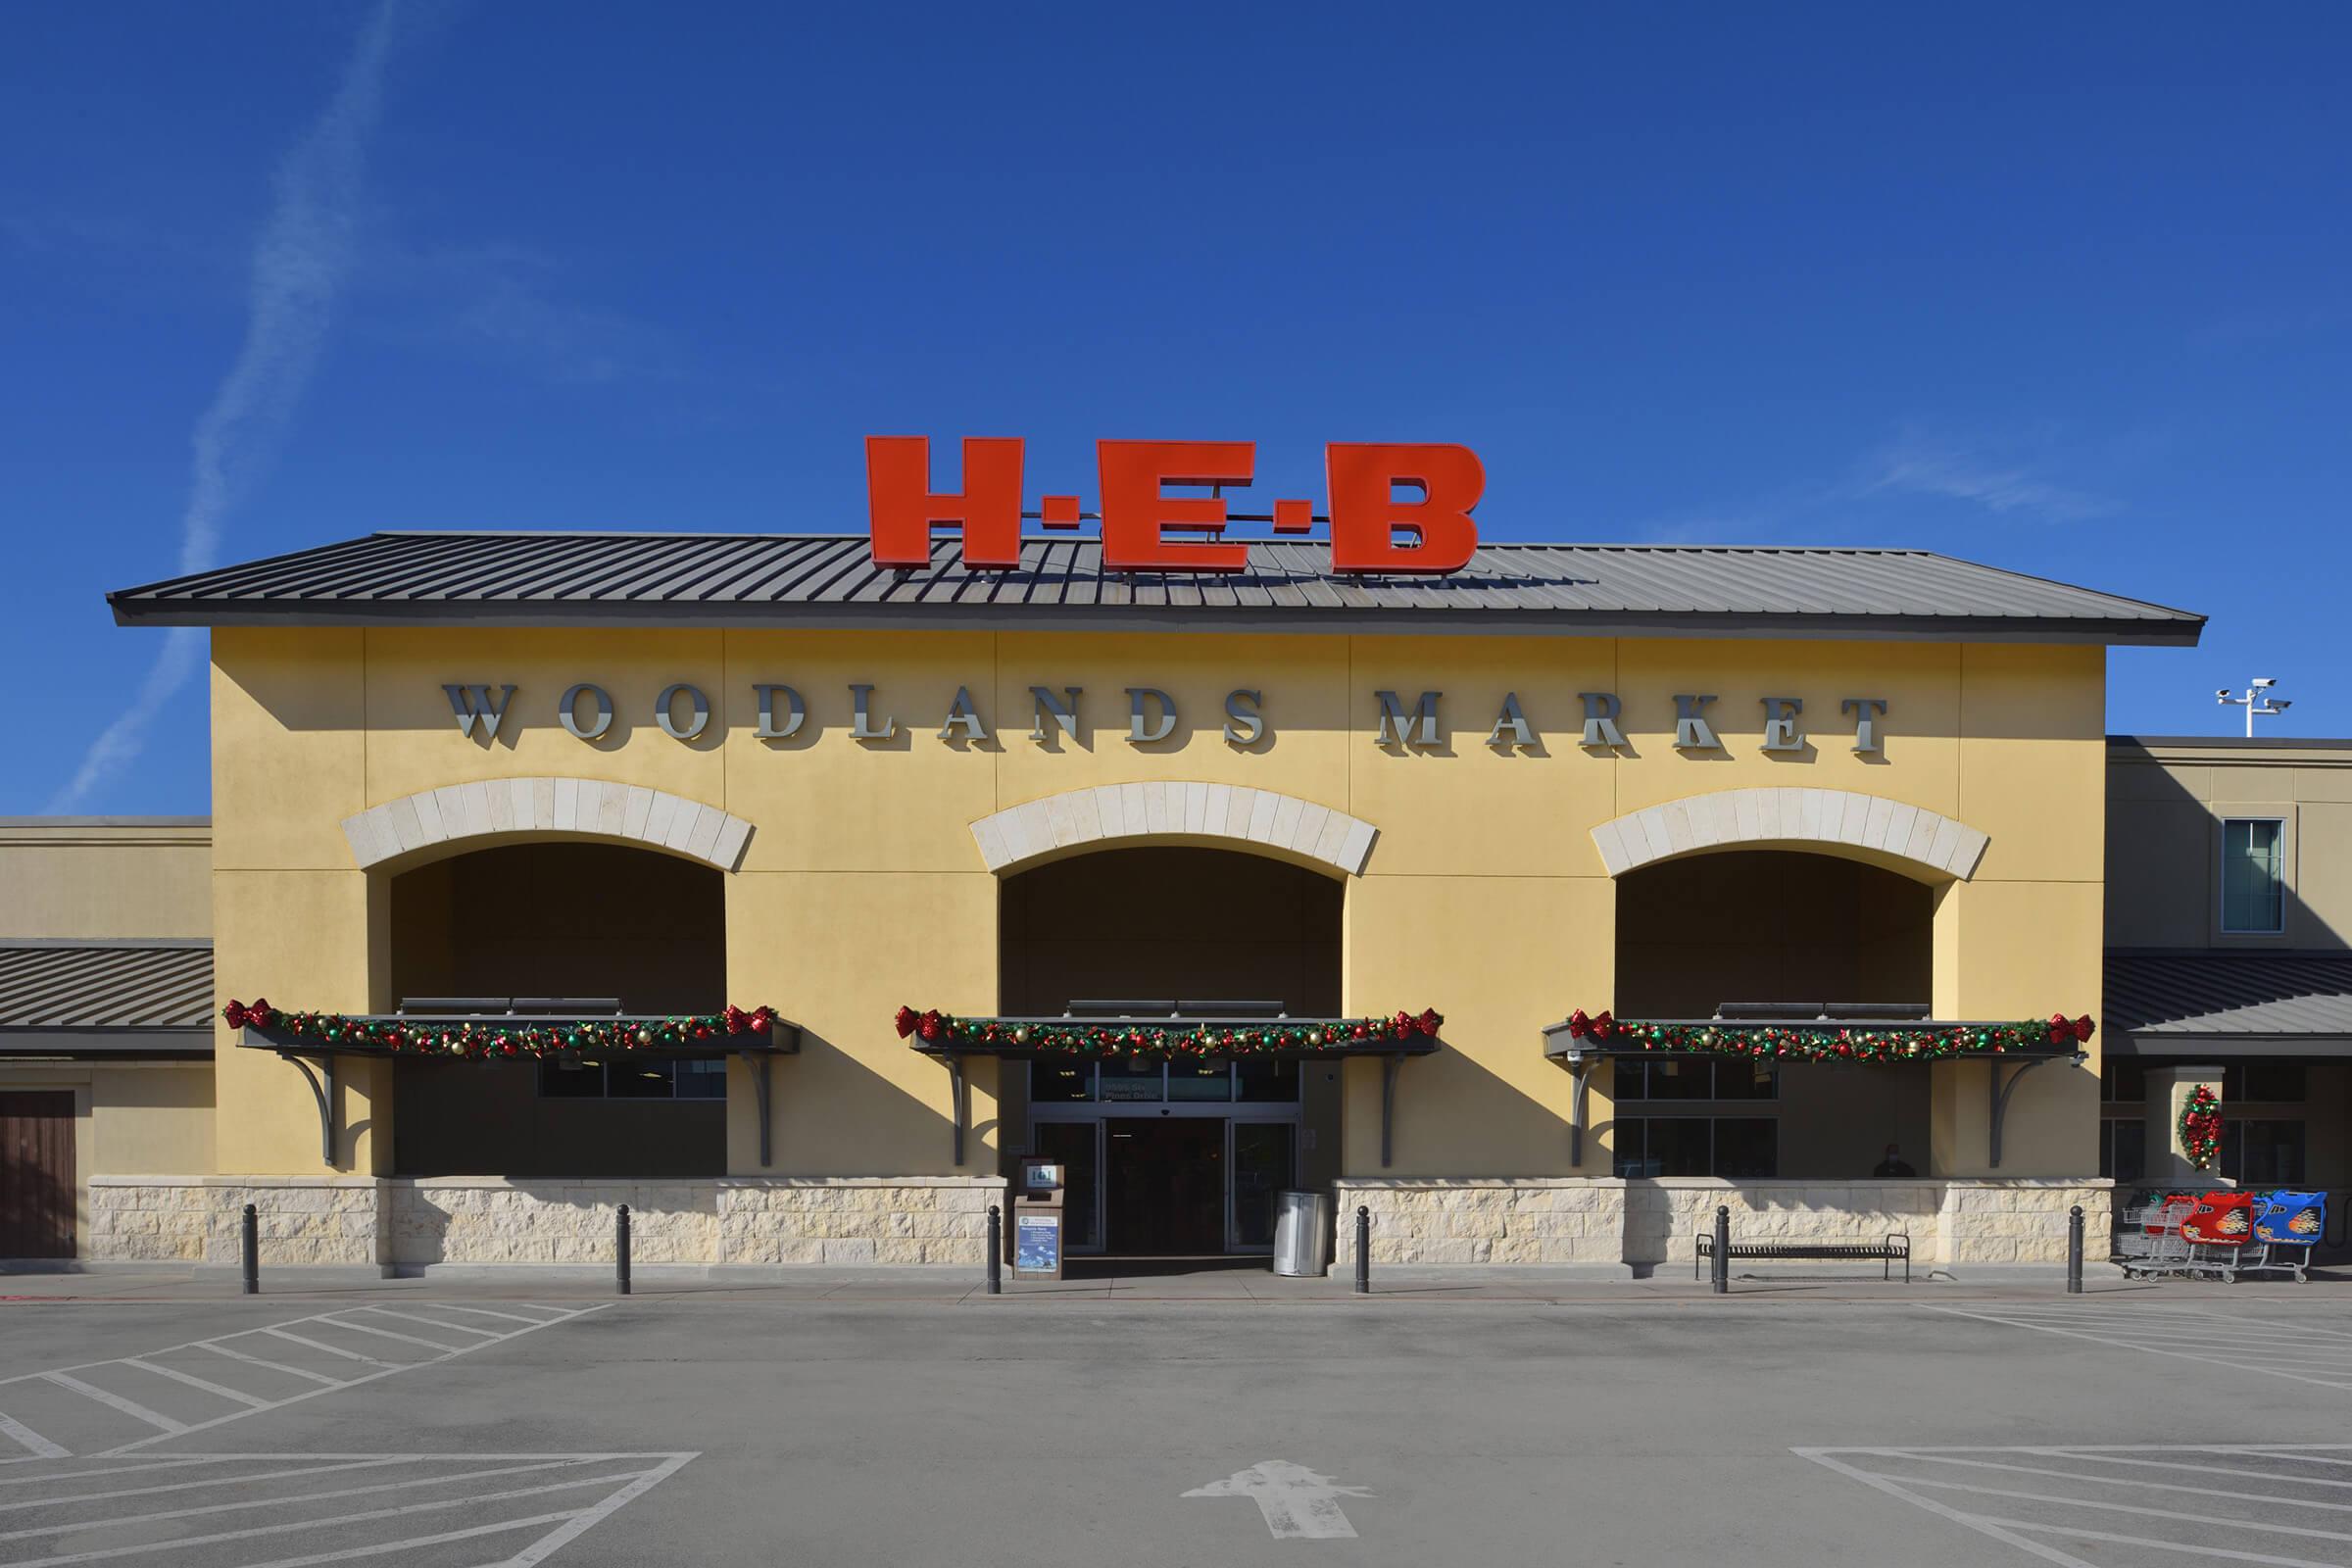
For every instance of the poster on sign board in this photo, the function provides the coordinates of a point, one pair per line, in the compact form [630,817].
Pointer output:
[1037,1244]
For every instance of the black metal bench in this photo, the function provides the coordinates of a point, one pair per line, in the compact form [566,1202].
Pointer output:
[1885,1252]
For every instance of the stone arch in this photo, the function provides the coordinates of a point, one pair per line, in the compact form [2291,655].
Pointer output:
[1231,816]
[1919,843]
[457,817]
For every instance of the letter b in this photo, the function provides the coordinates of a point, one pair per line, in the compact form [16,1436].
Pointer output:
[1365,514]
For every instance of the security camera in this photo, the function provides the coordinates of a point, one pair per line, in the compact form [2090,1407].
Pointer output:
[2279,704]
[2223,694]
[2266,680]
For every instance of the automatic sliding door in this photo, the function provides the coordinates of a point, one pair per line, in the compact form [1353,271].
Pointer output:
[1264,1163]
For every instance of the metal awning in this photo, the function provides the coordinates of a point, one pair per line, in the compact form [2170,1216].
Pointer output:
[148,999]
[2217,1007]
[1389,1050]
[783,1040]
[1578,1055]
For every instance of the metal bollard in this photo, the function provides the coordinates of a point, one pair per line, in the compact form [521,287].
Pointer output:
[2073,1250]
[250,1246]
[996,1251]
[1363,1251]
[1722,1272]
[620,1250]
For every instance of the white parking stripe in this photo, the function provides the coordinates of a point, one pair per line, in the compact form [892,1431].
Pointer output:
[483,1311]
[214,1483]
[119,1469]
[247,1505]
[413,1543]
[387,1334]
[233,1396]
[539,1550]
[331,1349]
[2234,1363]
[18,1432]
[1973,1521]
[2137,1509]
[129,1407]
[369,1516]
[434,1322]
[1986,1521]
[223,1347]
[2158,1464]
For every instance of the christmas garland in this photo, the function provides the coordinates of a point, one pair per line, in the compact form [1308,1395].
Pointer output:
[2200,1126]
[1123,1038]
[1777,1042]
[486,1039]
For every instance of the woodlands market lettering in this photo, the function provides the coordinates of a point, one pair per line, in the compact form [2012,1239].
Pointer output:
[585,710]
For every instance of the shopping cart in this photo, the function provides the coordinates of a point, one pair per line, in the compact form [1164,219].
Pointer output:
[2287,1227]
[2217,1230]
[2149,1242]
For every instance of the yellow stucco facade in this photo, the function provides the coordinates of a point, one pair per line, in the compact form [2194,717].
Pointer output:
[860,886]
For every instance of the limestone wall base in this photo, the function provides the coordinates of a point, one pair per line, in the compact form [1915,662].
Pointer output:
[1644,1223]
[490,1220]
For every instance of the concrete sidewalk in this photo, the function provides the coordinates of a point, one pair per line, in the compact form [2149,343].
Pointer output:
[1100,1283]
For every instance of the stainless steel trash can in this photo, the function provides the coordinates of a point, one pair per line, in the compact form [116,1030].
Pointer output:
[1301,1235]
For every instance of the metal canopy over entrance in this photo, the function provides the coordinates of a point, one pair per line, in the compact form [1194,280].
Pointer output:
[783,1040]
[1579,1055]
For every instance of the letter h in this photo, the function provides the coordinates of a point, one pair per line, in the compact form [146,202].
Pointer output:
[902,507]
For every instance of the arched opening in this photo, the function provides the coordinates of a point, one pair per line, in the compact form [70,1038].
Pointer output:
[1172,1159]
[1769,926]
[547,923]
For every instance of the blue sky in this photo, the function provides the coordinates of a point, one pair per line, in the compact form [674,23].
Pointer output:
[2065,289]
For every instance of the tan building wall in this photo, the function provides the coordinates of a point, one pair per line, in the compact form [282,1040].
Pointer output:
[2166,801]
[101,878]
[862,887]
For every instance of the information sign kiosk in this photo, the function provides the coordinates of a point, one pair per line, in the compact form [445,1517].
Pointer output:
[1037,1231]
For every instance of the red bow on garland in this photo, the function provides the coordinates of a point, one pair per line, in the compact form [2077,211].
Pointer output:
[1599,1028]
[2062,1030]
[257,1013]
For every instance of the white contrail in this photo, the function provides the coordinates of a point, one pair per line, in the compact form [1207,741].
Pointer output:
[298,268]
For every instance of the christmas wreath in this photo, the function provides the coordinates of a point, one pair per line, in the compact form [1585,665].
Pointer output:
[2200,1126]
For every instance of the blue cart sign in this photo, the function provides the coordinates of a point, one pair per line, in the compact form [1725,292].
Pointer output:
[1037,1242]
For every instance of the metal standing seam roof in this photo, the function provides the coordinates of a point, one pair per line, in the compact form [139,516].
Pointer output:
[2265,995]
[513,578]
[49,985]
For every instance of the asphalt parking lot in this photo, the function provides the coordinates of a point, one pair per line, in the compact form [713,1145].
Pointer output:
[1785,1424]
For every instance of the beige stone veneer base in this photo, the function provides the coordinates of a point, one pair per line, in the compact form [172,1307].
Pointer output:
[483,1219]
[1613,1220]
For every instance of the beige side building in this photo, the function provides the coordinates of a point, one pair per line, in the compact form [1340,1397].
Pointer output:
[106,1016]
[2230,935]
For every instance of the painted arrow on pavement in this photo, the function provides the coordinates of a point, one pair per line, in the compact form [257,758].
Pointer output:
[1297,1502]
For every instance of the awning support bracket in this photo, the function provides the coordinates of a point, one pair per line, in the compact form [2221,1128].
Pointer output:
[956,1112]
[1580,1109]
[324,1095]
[1388,1105]
[2002,1088]
[756,1060]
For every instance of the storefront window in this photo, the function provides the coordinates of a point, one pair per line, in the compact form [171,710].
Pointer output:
[2123,1149]
[1056,1080]
[2253,886]
[1125,1078]
[639,1078]
[1201,1080]
[1734,1147]
[2277,1083]
[1260,1081]
[2123,1080]
[2263,1153]
[1700,1078]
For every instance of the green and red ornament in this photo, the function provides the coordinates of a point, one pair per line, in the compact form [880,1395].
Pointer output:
[1181,1041]
[2200,1126]
[500,1038]
[1809,1042]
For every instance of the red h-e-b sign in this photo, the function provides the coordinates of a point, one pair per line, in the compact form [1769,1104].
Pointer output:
[1367,516]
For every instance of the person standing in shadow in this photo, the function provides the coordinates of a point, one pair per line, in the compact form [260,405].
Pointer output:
[1894,1164]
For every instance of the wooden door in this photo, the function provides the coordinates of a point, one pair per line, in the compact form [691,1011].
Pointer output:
[36,1173]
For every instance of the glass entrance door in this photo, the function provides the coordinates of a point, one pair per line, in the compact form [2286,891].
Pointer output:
[1263,1162]
[1164,1191]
